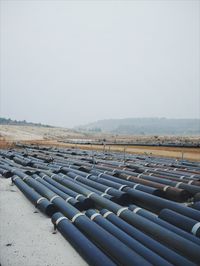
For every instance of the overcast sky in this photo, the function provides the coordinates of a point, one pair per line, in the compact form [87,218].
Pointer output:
[68,63]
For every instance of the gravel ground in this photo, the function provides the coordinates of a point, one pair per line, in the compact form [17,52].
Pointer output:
[26,237]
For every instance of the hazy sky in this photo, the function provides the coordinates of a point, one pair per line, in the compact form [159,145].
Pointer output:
[68,63]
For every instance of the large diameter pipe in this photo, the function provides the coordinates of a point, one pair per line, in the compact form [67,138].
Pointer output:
[63,195]
[111,245]
[181,221]
[105,189]
[196,205]
[152,217]
[171,193]
[161,234]
[86,249]
[125,182]
[147,241]
[156,204]
[126,239]
[40,202]
[80,197]
[190,188]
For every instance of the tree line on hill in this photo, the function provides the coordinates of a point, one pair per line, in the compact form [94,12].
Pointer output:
[8,121]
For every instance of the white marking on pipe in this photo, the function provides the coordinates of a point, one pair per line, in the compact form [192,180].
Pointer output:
[77,196]
[68,199]
[100,174]
[128,177]
[54,197]
[76,177]
[195,228]
[165,188]
[178,184]
[25,177]
[190,182]
[53,175]
[121,210]
[139,175]
[94,215]
[107,189]
[123,186]
[15,178]
[107,213]
[76,216]
[60,219]
[104,194]
[87,176]
[40,199]
[134,187]
[137,209]
[90,194]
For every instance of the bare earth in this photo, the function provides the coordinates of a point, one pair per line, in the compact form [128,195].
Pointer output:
[57,136]
[26,237]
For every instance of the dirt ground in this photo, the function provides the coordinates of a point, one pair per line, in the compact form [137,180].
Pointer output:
[10,134]
[26,237]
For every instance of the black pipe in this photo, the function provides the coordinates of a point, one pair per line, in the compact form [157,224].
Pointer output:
[165,224]
[126,239]
[111,245]
[87,203]
[147,241]
[86,249]
[119,195]
[40,202]
[196,205]
[156,204]
[181,221]
[78,205]
[161,234]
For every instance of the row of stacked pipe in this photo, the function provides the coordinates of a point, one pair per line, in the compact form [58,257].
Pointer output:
[113,209]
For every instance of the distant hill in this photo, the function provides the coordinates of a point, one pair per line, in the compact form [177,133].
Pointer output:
[8,121]
[145,126]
